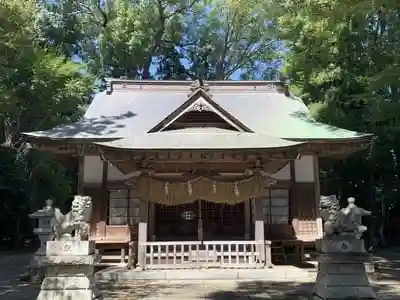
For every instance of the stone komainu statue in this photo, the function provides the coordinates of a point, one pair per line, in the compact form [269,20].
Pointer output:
[329,209]
[350,219]
[345,221]
[74,224]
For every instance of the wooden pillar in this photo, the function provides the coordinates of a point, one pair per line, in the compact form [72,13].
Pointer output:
[142,232]
[152,215]
[104,200]
[247,219]
[259,226]
[317,190]
[200,223]
[316,184]
[293,207]
[81,166]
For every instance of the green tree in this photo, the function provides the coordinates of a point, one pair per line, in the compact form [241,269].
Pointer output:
[225,38]
[136,34]
[39,89]
[343,62]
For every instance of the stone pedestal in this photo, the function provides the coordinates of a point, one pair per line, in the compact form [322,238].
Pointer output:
[341,270]
[69,271]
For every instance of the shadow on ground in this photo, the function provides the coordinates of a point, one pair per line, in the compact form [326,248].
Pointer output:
[261,290]
[226,290]
[258,290]
[387,269]
[216,290]
[12,265]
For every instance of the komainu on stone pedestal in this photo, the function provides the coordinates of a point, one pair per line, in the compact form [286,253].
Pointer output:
[69,260]
[341,269]
[76,221]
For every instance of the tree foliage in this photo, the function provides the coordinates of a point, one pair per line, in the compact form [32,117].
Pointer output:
[343,61]
[39,89]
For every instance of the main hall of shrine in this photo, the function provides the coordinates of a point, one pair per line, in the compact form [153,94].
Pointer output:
[184,174]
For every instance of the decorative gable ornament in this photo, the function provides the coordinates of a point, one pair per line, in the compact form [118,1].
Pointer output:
[200,100]
[200,105]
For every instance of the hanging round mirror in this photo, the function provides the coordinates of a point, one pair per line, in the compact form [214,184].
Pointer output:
[188,215]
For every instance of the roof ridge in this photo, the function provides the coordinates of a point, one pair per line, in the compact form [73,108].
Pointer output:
[113,84]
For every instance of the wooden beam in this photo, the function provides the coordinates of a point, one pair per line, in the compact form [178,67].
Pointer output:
[121,184]
[197,156]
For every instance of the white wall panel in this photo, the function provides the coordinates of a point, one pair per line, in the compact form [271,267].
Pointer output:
[304,169]
[93,169]
[114,173]
[283,174]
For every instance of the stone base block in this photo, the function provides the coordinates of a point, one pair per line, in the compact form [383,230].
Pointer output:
[70,271]
[333,280]
[343,293]
[342,245]
[67,295]
[339,281]
[341,268]
[70,260]
[70,248]
[66,283]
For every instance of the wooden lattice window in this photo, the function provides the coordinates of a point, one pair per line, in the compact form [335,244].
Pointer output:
[233,213]
[276,206]
[123,208]
[210,211]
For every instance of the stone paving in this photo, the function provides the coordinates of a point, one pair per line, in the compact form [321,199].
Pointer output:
[12,266]
[208,289]
[225,290]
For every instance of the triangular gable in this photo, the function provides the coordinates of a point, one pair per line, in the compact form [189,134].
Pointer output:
[199,101]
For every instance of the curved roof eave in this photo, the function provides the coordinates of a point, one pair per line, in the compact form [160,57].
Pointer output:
[183,140]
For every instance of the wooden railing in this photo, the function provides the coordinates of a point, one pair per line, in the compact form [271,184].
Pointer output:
[210,254]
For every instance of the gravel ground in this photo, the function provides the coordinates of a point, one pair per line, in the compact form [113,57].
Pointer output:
[13,265]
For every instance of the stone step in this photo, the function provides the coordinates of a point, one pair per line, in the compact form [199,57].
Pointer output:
[275,274]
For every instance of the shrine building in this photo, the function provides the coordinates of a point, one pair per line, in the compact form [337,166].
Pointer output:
[188,175]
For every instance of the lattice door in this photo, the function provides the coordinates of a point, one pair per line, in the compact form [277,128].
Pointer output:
[233,220]
[177,222]
[222,221]
[210,214]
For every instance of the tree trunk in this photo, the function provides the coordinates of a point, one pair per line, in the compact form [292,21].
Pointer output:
[220,71]
[146,69]
[8,133]
[381,231]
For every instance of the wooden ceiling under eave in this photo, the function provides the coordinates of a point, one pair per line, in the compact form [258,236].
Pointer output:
[181,161]
[337,149]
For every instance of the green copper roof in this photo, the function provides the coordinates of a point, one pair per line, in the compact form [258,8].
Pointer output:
[132,109]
